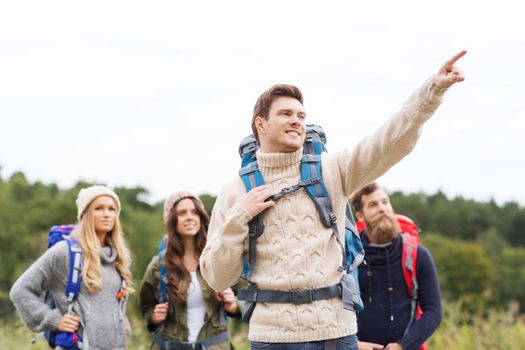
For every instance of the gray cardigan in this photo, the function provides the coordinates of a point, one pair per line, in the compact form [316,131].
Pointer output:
[102,316]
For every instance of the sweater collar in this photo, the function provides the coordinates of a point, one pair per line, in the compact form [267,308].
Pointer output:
[108,254]
[278,160]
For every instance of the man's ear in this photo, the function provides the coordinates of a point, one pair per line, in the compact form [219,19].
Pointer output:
[359,216]
[260,124]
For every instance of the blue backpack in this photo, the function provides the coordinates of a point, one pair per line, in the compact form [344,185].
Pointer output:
[312,181]
[66,340]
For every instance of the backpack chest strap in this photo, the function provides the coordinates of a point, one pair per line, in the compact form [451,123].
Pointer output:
[291,189]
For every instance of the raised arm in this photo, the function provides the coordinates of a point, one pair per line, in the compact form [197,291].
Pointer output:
[395,139]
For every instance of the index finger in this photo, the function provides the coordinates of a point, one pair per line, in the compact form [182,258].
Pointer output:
[450,63]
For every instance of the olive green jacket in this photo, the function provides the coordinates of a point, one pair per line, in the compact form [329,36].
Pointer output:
[176,324]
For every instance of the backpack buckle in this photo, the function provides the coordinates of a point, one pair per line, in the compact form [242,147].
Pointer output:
[283,192]
[333,217]
[287,190]
[315,180]
[302,296]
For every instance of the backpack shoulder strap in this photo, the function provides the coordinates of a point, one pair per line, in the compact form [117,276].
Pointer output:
[409,265]
[354,250]
[316,190]
[75,271]
[252,177]
[311,170]
[163,271]
[409,260]
[247,149]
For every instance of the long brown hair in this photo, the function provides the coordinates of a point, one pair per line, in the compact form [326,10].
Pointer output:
[178,276]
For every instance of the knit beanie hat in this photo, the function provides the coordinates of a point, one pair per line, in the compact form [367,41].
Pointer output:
[174,199]
[87,195]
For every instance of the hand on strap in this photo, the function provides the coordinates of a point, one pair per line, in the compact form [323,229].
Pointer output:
[228,298]
[160,312]
[68,323]
[254,202]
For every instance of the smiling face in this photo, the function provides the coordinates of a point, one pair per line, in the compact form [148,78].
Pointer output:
[284,130]
[104,214]
[188,219]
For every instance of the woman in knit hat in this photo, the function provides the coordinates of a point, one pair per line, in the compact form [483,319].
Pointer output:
[98,312]
[191,315]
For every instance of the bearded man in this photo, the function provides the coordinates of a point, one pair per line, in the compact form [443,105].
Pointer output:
[387,320]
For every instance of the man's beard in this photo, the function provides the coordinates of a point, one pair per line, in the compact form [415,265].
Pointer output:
[382,229]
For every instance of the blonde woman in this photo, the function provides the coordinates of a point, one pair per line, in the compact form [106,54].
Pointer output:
[97,314]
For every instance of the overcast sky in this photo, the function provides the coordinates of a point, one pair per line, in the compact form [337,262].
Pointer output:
[159,93]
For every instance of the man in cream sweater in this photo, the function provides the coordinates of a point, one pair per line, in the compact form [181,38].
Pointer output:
[296,251]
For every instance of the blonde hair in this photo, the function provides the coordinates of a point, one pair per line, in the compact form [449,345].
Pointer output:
[92,269]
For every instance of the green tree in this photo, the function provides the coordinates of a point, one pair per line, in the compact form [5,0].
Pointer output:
[493,243]
[511,275]
[208,200]
[464,270]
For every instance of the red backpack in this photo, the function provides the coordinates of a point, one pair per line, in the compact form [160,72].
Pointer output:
[410,236]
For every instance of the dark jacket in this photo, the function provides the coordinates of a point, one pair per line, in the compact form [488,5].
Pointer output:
[386,299]
[176,325]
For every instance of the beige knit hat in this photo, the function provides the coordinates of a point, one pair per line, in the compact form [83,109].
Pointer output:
[87,195]
[174,199]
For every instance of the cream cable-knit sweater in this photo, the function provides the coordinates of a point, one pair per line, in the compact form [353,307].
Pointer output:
[296,251]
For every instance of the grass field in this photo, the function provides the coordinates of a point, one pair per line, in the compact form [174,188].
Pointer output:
[497,330]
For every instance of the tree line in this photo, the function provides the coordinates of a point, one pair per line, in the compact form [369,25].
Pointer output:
[478,247]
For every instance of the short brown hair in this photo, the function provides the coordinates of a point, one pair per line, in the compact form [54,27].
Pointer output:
[264,102]
[357,197]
